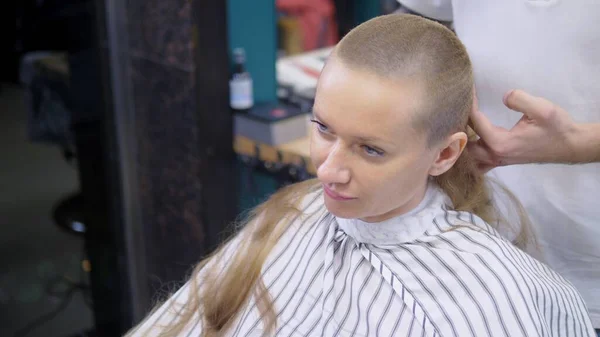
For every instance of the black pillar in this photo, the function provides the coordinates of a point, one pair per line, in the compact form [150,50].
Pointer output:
[170,139]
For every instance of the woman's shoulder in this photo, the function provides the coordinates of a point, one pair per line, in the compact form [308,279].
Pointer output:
[482,250]
[163,314]
[467,234]
[311,211]
[468,256]
[312,201]
[447,220]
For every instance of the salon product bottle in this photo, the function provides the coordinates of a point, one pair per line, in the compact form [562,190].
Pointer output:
[241,97]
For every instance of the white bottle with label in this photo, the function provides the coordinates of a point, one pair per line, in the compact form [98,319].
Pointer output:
[240,85]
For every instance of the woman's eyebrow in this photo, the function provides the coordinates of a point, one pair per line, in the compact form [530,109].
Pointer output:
[369,139]
[318,118]
[361,138]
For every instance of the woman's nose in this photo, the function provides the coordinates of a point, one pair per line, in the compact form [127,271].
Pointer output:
[334,169]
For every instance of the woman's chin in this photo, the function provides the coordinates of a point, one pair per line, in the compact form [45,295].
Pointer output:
[340,210]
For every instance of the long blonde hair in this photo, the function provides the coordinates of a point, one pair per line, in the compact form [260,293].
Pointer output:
[392,46]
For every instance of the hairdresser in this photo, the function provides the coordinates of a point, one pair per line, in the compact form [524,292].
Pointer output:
[537,77]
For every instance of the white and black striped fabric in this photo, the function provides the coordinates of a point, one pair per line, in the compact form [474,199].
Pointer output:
[432,272]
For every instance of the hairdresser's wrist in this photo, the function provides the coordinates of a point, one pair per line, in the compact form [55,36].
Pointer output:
[584,140]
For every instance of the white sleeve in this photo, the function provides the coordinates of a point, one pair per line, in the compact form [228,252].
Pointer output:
[435,9]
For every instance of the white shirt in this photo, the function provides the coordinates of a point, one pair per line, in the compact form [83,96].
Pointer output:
[431,272]
[549,48]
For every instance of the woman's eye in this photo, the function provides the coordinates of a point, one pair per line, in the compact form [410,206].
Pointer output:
[320,126]
[372,152]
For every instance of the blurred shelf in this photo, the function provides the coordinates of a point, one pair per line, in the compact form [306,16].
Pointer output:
[295,153]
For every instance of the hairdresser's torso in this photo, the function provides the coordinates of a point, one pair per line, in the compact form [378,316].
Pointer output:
[549,48]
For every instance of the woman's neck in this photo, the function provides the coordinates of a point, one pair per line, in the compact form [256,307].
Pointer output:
[413,202]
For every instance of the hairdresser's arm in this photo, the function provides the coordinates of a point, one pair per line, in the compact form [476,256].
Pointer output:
[435,9]
[545,134]
[588,142]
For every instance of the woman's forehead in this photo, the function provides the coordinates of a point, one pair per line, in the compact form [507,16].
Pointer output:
[357,101]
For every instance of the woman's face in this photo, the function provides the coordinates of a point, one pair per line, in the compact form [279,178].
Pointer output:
[371,161]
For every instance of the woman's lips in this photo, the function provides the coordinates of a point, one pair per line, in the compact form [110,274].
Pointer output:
[336,196]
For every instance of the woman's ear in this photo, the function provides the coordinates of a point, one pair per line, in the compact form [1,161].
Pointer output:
[448,153]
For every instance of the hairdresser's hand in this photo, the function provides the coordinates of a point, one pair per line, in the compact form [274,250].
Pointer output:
[545,134]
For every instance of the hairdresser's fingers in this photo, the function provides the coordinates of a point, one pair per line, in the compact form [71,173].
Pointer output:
[474,109]
[487,131]
[482,157]
[482,154]
[480,123]
[536,108]
[475,100]
[482,126]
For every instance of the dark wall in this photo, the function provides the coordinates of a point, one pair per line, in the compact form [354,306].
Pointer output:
[179,73]
[153,133]
[171,139]
[168,159]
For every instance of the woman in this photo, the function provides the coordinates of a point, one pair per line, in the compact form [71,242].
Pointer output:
[397,236]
